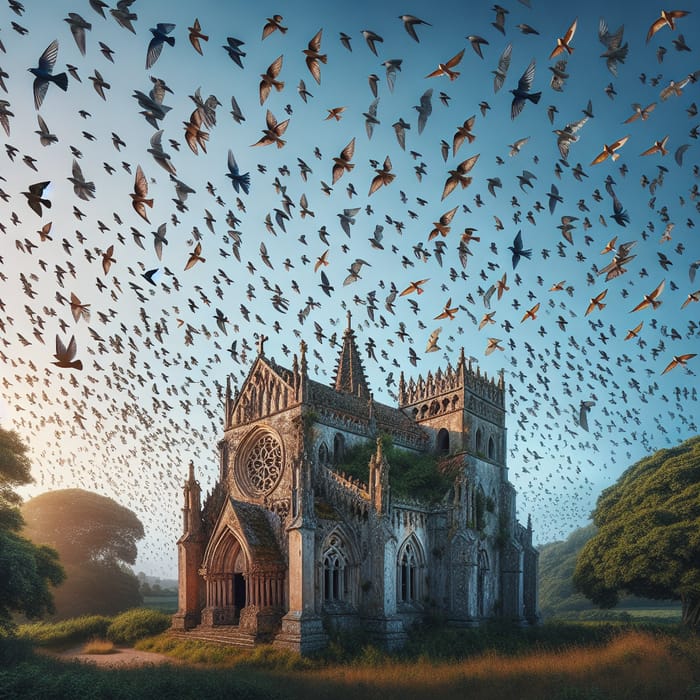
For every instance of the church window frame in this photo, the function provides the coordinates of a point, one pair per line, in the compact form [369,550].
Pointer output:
[410,573]
[442,441]
[491,448]
[337,574]
[260,462]
[478,440]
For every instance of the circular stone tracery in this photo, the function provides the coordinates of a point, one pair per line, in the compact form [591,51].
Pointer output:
[263,466]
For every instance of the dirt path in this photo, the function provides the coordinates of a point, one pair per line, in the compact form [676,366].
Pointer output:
[121,658]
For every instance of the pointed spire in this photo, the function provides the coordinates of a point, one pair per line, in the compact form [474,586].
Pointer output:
[349,373]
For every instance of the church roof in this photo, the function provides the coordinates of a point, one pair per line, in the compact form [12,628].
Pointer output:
[349,372]
[255,528]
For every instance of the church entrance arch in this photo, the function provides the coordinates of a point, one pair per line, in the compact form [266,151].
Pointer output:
[225,575]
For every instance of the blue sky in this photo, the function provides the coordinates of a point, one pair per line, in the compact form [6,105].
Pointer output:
[147,400]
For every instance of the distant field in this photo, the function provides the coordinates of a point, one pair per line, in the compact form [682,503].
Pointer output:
[166,604]
[656,614]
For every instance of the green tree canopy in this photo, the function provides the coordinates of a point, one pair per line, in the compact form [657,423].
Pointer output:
[27,571]
[96,538]
[648,539]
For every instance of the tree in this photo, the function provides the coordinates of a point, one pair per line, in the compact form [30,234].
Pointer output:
[27,571]
[648,539]
[96,539]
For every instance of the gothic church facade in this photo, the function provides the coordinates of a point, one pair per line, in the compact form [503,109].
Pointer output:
[286,545]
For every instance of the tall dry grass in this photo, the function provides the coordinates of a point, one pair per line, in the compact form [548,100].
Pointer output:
[634,665]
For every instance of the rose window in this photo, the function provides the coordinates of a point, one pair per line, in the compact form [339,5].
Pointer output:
[264,465]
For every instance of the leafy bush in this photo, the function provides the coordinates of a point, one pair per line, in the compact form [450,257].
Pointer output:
[136,624]
[65,632]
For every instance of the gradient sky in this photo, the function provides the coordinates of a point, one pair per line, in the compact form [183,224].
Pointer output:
[148,399]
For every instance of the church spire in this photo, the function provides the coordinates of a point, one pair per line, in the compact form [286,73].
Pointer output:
[349,372]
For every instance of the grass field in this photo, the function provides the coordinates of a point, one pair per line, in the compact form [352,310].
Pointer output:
[563,661]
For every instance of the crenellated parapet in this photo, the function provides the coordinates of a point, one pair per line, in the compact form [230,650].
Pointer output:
[451,380]
[460,388]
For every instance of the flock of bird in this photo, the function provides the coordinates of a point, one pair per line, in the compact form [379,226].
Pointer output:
[150,236]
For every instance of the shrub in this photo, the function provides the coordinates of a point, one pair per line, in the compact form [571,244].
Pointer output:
[99,646]
[136,624]
[65,632]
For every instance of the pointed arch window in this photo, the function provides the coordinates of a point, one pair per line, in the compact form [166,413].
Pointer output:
[492,449]
[335,572]
[479,440]
[410,574]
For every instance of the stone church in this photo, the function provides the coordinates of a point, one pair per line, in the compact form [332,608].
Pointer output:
[288,546]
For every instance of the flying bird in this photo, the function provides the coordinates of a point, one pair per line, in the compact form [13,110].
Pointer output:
[341,163]
[196,37]
[518,251]
[458,176]
[522,92]
[610,150]
[563,43]
[446,68]
[651,299]
[65,356]
[43,74]
[273,132]
[238,180]
[410,22]
[35,197]
[139,197]
[679,360]
[667,19]
[314,57]
[269,79]
[160,36]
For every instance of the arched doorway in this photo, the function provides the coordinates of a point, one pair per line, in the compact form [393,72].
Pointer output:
[225,582]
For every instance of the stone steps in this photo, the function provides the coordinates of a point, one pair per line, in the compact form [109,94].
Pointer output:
[230,636]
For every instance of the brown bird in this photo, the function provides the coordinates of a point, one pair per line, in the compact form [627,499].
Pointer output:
[596,302]
[634,332]
[273,132]
[463,132]
[458,176]
[657,147]
[384,176]
[640,112]
[195,257]
[314,57]
[335,113]
[610,150]
[667,19]
[493,344]
[442,226]
[448,311]
[446,68]
[501,286]
[321,260]
[651,299]
[679,360]
[273,24]
[269,79]
[195,136]
[531,313]
[342,163]
[563,42]
[65,355]
[108,259]
[416,287]
[78,309]
[138,196]
[196,36]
